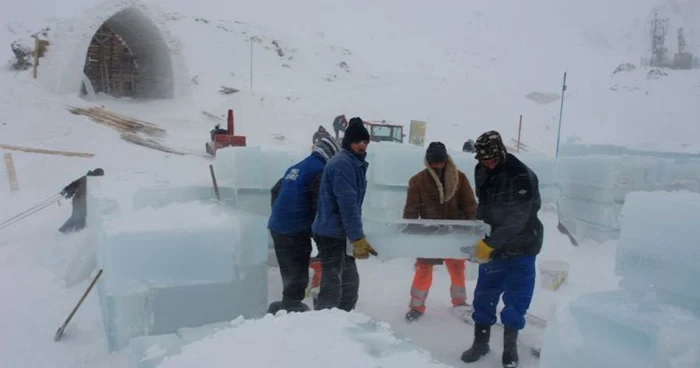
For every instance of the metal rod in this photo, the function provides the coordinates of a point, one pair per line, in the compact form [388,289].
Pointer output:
[561,110]
[520,128]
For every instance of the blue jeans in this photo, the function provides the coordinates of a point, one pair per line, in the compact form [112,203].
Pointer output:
[515,279]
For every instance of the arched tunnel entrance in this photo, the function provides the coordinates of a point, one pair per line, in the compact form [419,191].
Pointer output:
[128,57]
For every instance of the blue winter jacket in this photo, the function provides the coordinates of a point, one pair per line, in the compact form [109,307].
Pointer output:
[294,197]
[340,197]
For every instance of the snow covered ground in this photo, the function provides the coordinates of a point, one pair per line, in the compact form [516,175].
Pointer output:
[463,68]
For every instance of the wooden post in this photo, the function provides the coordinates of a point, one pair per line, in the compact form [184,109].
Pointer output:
[35,62]
[520,128]
[216,185]
[11,174]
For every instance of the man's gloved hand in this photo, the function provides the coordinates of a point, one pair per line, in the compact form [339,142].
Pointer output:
[66,194]
[361,249]
[478,253]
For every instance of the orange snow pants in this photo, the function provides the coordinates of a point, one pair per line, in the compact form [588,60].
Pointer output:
[423,278]
[315,265]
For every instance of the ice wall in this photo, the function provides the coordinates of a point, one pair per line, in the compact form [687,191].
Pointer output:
[252,171]
[173,264]
[593,187]
[654,320]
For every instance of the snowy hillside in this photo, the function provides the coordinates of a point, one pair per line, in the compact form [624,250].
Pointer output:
[460,68]
[463,68]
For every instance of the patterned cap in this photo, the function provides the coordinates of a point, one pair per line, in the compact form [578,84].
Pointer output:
[490,145]
[327,147]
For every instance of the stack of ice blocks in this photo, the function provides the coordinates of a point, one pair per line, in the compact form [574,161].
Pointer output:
[252,172]
[654,320]
[169,266]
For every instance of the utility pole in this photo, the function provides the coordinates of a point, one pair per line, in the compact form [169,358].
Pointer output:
[561,110]
[252,39]
[520,129]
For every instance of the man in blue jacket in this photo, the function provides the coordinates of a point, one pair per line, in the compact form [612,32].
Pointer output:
[339,220]
[294,199]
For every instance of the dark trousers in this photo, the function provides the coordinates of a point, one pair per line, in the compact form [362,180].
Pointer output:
[293,253]
[76,221]
[515,279]
[340,281]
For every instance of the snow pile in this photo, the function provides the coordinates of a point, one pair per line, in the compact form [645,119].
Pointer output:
[654,321]
[328,338]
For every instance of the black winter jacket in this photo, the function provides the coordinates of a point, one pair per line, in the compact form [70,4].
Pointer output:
[509,199]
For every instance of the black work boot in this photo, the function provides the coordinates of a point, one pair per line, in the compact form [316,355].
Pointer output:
[480,346]
[510,348]
[413,315]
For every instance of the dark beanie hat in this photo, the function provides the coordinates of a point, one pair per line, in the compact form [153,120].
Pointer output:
[436,152]
[355,132]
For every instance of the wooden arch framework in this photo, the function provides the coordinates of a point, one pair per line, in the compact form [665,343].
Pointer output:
[110,65]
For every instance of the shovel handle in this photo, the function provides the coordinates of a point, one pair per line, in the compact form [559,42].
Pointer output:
[59,333]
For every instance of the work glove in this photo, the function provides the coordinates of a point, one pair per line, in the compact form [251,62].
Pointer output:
[361,249]
[478,253]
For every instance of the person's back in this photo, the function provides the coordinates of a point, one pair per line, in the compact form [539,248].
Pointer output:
[294,199]
[292,203]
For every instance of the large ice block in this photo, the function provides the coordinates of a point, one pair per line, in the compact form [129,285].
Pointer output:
[620,329]
[181,265]
[659,246]
[393,164]
[593,189]
[399,238]
[254,167]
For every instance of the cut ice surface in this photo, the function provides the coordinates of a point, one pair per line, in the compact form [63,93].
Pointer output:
[162,196]
[181,265]
[191,334]
[423,238]
[620,329]
[658,246]
[149,351]
[313,340]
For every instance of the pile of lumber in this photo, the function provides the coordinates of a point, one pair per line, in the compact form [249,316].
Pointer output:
[119,122]
[131,130]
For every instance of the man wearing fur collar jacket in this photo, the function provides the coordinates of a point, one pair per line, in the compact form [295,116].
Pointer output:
[440,192]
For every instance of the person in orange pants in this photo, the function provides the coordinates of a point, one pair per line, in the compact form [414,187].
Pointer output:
[439,192]
[315,283]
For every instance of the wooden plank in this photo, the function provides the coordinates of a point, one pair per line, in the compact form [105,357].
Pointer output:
[11,173]
[150,143]
[45,151]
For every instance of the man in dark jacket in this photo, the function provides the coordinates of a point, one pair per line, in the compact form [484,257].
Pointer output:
[339,124]
[77,190]
[509,199]
[294,199]
[320,133]
[339,220]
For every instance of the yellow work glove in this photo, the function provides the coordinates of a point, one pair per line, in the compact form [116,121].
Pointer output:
[483,251]
[478,253]
[361,249]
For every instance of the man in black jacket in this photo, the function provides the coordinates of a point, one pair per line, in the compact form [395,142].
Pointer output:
[509,199]
[77,190]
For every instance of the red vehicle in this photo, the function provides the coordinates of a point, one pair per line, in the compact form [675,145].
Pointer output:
[380,131]
[221,138]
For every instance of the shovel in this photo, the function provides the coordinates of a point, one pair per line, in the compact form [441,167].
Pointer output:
[59,332]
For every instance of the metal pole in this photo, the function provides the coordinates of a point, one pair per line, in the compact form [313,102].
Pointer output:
[251,64]
[520,128]
[561,110]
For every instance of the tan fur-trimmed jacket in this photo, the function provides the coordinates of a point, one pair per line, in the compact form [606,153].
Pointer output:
[428,198]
